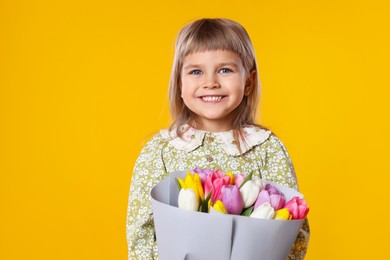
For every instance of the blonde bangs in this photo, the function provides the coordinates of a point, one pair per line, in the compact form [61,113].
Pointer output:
[216,34]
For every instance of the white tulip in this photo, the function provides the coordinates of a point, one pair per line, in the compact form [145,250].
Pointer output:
[187,200]
[250,190]
[264,211]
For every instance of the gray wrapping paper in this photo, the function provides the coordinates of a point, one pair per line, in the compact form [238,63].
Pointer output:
[183,234]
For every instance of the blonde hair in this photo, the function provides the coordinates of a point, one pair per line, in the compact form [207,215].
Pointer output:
[213,34]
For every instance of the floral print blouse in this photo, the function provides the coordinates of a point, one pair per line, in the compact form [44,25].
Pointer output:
[261,151]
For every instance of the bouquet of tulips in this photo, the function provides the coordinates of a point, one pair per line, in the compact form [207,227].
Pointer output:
[185,231]
[238,195]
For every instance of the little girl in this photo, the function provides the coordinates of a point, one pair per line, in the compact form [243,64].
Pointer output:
[214,92]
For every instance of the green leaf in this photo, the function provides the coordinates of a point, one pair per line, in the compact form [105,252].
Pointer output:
[248,211]
[248,178]
[205,204]
[178,184]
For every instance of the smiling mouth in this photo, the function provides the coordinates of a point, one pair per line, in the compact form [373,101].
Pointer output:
[212,98]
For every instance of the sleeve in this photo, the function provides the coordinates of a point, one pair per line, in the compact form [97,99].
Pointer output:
[149,169]
[277,166]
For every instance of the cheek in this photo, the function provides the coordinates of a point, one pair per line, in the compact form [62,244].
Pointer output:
[186,87]
[184,90]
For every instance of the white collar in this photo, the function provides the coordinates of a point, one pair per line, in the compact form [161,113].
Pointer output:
[193,138]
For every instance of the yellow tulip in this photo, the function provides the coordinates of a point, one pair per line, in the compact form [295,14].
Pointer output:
[182,184]
[190,182]
[198,183]
[282,214]
[218,206]
[230,174]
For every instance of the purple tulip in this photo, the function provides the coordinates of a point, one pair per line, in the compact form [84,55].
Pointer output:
[271,195]
[232,199]
[203,173]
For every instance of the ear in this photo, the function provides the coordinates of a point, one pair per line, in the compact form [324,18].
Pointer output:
[250,82]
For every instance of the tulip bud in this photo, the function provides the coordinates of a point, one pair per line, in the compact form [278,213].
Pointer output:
[271,195]
[232,199]
[264,211]
[198,184]
[239,179]
[214,183]
[187,200]
[203,173]
[182,184]
[282,214]
[218,206]
[189,182]
[297,208]
[250,191]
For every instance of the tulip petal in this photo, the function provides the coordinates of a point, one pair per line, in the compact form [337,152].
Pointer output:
[302,211]
[182,184]
[239,179]
[301,202]
[190,182]
[293,208]
[232,199]
[249,191]
[263,197]
[282,214]
[208,185]
[198,184]
[218,206]
[277,201]
[264,211]
[231,176]
[271,189]
[217,186]
[218,173]
[187,200]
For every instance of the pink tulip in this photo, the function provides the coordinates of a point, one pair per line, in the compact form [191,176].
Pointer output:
[214,183]
[232,199]
[239,179]
[297,208]
[271,195]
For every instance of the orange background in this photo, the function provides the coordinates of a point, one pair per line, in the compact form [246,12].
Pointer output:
[84,83]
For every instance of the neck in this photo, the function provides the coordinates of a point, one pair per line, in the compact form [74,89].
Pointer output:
[213,126]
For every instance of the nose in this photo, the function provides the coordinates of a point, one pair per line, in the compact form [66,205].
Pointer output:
[211,82]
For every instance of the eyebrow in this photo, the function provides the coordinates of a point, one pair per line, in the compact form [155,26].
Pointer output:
[233,64]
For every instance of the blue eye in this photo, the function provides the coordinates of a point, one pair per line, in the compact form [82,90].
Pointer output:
[196,72]
[225,70]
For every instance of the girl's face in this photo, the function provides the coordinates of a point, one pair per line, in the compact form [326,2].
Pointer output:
[212,86]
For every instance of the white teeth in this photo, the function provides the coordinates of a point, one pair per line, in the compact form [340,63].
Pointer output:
[212,99]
